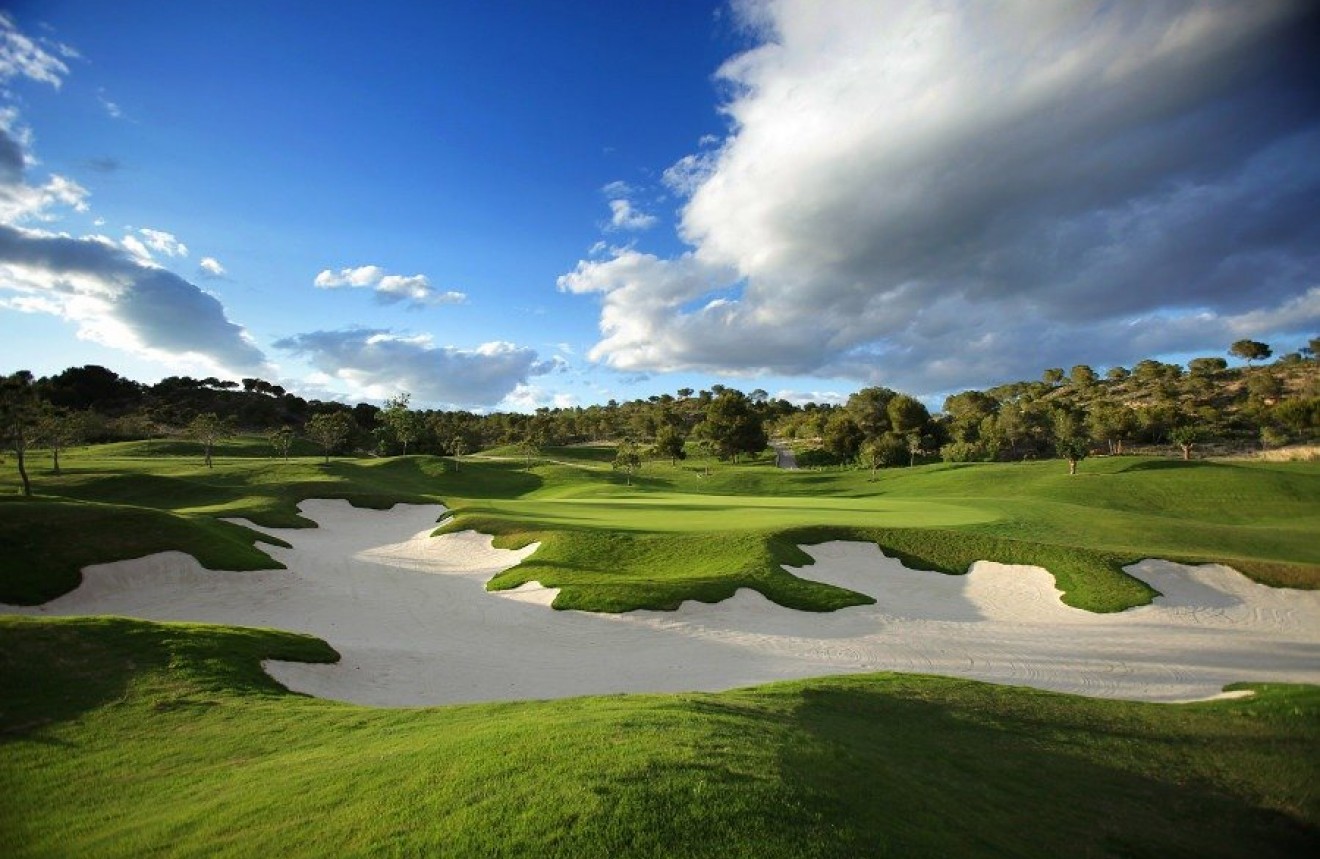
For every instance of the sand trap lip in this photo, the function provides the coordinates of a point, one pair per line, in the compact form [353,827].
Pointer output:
[414,625]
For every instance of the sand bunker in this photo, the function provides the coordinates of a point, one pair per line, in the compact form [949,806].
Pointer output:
[415,626]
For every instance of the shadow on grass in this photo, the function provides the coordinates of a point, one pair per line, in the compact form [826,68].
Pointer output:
[57,669]
[1172,465]
[932,775]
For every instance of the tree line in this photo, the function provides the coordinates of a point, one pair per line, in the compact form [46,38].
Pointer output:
[1071,414]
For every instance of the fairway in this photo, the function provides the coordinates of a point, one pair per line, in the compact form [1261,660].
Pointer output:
[672,512]
[413,624]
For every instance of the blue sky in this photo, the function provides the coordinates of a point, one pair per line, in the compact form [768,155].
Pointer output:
[509,205]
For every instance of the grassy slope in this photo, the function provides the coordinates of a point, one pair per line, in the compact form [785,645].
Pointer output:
[681,534]
[124,738]
[678,534]
[127,500]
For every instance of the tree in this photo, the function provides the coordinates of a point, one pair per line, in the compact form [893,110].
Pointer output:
[330,430]
[208,429]
[1206,367]
[914,446]
[733,426]
[669,443]
[59,429]
[841,436]
[965,411]
[1070,439]
[282,440]
[1111,422]
[869,409]
[1082,376]
[876,453]
[906,414]
[530,448]
[1185,436]
[1264,387]
[91,387]
[20,412]
[1053,376]
[399,420]
[627,458]
[1250,350]
[459,447]
[1117,373]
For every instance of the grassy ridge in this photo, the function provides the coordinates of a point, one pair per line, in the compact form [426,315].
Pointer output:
[126,738]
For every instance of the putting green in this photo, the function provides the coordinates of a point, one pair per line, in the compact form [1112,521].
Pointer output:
[672,512]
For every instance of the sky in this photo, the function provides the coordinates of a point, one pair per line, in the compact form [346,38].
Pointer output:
[504,205]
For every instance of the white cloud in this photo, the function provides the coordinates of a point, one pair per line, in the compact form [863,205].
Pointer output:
[367,275]
[211,267]
[163,242]
[116,300]
[690,172]
[529,398]
[111,107]
[939,196]
[378,363]
[21,56]
[624,217]
[20,201]
[802,398]
[134,246]
[415,289]
[624,214]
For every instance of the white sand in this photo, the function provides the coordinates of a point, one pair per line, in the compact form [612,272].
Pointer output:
[414,625]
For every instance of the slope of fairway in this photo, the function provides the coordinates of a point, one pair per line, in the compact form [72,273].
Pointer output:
[698,530]
[125,738]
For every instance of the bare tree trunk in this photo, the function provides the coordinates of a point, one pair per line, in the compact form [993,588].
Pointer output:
[1072,467]
[55,457]
[22,471]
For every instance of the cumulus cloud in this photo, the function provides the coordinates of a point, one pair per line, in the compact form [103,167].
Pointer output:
[21,201]
[933,196]
[529,398]
[116,300]
[415,290]
[378,363]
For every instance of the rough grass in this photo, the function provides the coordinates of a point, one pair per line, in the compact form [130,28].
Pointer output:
[127,738]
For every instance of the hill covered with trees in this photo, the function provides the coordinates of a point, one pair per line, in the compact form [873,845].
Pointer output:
[1204,405]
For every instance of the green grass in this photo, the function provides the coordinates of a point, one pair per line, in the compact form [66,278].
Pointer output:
[678,534]
[128,738]
[698,530]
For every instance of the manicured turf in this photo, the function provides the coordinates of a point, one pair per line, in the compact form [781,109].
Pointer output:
[694,531]
[126,738]
[682,534]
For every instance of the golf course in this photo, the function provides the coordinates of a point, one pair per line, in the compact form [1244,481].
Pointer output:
[126,736]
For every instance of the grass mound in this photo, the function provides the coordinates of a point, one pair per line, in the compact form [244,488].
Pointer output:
[126,738]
